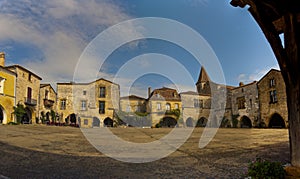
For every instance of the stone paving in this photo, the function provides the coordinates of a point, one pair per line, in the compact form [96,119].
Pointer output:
[37,151]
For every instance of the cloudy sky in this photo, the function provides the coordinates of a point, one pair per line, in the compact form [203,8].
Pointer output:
[48,37]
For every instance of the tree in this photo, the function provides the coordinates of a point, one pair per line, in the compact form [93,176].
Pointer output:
[53,116]
[278,17]
[19,111]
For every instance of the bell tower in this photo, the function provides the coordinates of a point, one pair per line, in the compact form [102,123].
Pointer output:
[203,83]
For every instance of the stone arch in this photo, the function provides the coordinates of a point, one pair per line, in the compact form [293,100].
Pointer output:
[189,122]
[26,119]
[245,122]
[96,122]
[72,118]
[276,121]
[108,122]
[3,116]
[202,122]
[168,122]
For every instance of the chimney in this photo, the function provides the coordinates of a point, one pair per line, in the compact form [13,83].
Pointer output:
[149,92]
[241,84]
[2,59]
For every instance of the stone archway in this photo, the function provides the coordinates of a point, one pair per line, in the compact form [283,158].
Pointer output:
[108,122]
[168,122]
[96,122]
[202,122]
[3,116]
[189,122]
[276,121]
[26,119]
[246,122]
[72,118]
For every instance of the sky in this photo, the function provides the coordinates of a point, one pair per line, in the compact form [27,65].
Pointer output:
[49,38]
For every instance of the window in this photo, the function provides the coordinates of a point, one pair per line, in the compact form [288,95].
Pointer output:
[128,108]
[158,106]
[176,105]
[63,104]
[102,92]
[83,105]
[29,77]
[272,82]
[168,106]
[86,122]
[2,85]
[84,92]
[138,108]
[29,93]
[46,94]
[196,103]
[241,102]
[101,107]
[273,96]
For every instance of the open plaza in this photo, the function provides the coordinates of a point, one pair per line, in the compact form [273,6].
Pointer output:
[39,151]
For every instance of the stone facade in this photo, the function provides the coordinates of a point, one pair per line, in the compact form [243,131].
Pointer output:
[195,108]
[47,101]
[133,104]
[7,95]
[162,104]
[245,104]
[89,104]
[27,92]
[272,97]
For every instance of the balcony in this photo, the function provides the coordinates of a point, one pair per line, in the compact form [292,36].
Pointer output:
[30,101]
[48,103]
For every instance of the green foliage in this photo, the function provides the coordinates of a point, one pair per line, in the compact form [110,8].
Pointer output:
[53,116]
[262,169]
[235,121]
[175,112]
[43,117]
[19,111]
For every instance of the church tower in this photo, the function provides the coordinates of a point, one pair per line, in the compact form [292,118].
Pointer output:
[203,83]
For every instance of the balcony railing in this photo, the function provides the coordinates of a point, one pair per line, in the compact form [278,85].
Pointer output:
[30,101]
[48,103]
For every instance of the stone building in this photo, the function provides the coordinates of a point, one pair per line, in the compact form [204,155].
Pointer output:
[88,104]
[47,101]
[222,112]
[164,106]
[27,92]
[245,105]
[7,92]
[195,108]
[272,100]
[133,104]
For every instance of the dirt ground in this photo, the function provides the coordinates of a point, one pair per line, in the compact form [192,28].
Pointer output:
[37,151]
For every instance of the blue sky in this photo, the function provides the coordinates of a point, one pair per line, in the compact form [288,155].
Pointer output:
[49,36]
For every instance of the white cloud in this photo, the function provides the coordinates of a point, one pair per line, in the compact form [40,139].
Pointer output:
[256,75]
[59,29]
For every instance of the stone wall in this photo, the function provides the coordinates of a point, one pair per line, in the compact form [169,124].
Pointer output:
[7,95]
[25,80]
[249,93]
[267,107]
[47,100]
[89,93]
